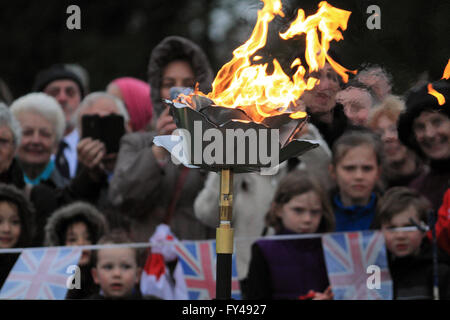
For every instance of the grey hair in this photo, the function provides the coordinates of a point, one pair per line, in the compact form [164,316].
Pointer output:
[44,105]
[94,96]
[375,71]
[7,119]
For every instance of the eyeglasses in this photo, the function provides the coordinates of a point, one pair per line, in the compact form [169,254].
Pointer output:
[5,142]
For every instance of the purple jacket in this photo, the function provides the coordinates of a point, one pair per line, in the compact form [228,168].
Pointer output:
[286,269]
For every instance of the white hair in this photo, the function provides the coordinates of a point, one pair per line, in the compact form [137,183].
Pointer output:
[44,105]
[91,98]
[352,95]
[7,119]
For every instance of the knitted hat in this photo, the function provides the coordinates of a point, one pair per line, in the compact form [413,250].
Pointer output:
[136,96]
[56,72]
[417,102]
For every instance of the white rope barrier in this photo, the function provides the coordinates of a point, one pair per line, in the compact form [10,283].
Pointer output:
[237,239]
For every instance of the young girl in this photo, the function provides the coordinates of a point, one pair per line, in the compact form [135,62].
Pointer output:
[291,269]
[16,216]
[77,224]
[355,168]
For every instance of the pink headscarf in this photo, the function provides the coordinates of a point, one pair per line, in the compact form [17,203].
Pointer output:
[136,95]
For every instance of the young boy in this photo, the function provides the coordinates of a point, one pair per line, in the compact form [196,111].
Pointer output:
[409,251]
[116,270]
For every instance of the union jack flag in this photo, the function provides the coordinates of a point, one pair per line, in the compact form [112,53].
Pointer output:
[348,256]
[198,260]
[40,274]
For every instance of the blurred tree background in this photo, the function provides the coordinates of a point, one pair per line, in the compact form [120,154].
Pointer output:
[116,38]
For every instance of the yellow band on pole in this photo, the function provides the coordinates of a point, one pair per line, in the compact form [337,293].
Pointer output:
[224,239]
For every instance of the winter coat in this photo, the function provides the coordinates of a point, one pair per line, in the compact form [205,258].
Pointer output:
[136,295]
[412,276]
[11,194]
[49,176]
[143,188]
[14,175]
[434,183]
[286,269]
[391,178]
[55,231]
[47,198]
[443,224]
[252,197]
[57,223]
[354,218]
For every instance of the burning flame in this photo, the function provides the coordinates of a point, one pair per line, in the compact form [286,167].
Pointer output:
[239,84]
[440,98]
[446,74]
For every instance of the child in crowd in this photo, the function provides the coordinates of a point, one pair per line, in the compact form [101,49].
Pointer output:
[286,269]
[355,168]
[77,224]
[409,251]
[16,217]
[117,270]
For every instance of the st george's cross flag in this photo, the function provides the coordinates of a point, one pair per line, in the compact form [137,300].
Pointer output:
[355,262]
[198,260]
[40,274]
[156,279]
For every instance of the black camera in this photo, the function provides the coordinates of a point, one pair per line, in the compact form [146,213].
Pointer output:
[108,129]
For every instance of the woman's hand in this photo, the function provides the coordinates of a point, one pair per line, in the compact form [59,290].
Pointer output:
[326,295]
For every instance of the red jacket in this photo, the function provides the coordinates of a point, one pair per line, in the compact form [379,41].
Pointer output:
[443,224]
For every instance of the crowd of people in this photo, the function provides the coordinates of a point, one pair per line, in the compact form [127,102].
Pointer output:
[80,168]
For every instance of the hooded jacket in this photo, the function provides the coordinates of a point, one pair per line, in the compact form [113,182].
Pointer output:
[177,48]
[141,187]
[10,194]
[434,183]
[58,222]
[55,236]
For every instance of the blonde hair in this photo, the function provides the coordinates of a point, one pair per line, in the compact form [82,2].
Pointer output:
[391,107]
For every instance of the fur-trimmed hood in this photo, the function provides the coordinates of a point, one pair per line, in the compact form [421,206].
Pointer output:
[177,48]
[11,194]
[57,222]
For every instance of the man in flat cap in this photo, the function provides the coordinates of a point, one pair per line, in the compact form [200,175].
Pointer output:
[67,87]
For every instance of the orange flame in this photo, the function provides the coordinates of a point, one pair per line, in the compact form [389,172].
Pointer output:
[328,20]
[440,97]
[446,74]
[239,84]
